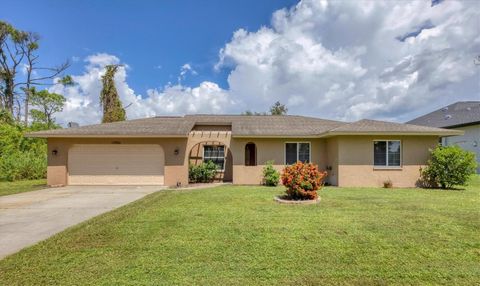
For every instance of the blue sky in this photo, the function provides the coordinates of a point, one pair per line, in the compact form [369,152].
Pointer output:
[343,60]
[155,38]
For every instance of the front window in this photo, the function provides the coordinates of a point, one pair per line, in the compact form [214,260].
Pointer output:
[216,154]
[387,153]
[297,152]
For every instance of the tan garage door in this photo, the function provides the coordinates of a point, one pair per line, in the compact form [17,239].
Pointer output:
[116,164]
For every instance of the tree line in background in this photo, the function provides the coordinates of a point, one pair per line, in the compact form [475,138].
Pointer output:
[21,74]
[26,105]
[276,109]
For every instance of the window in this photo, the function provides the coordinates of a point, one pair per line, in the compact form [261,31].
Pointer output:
[216,154]
[250,154]
[297,152]
[387,153]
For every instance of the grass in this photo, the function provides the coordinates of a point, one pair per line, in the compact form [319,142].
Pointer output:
[10,188]
[237,235]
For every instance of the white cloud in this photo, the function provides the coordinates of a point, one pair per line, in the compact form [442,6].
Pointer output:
[344,59]
[83,106]
[333,59]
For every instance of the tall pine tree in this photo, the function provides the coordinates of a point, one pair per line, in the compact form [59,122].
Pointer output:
[112,106]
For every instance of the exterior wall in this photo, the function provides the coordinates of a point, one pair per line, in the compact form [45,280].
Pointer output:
[469,141]
[347,159]
[356,168]
[270,149]
[332,161]
[176,168]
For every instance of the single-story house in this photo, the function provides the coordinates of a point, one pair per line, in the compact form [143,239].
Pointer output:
[158,150]
[462,115]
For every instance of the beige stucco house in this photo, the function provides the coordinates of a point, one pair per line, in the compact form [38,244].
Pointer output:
[158,151]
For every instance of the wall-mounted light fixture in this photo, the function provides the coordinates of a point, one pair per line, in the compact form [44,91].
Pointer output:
[54,152]
[176,151]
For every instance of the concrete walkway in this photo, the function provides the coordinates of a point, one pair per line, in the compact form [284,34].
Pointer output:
[30,217]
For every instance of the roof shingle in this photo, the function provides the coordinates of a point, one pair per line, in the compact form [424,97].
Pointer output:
[456,114]
[241,126]
[374,126]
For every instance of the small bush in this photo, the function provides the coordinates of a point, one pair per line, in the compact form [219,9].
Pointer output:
[203,173]
[271,177]
[388,184]
[448,166]
[302,181]
[23,166]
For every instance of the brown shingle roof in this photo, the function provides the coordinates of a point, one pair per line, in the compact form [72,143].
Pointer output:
[242,126]
[155,126]
[263,125]
[365,126]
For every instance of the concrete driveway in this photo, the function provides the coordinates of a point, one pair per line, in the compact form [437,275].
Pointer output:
[30,217]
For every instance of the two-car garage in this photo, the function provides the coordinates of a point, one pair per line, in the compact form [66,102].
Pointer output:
[116,164]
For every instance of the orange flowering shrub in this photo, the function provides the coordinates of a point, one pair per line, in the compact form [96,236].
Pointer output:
[302,181]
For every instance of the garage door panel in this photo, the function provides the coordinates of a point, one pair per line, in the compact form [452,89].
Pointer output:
[116,164]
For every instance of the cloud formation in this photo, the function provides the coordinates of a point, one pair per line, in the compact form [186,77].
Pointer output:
[83,105]
[333,59]
[354,59]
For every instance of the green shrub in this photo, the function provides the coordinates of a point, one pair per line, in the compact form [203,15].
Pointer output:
[23,166]
[271,177]
[448,166]
[21,158]
[302,181]
[203,173]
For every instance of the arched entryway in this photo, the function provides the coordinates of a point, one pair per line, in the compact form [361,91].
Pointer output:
[216,152]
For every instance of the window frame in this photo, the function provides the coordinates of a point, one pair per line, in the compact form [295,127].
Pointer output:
[387,166]
[224,157]
[298,150]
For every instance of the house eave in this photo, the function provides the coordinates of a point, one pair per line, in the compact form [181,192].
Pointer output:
[440,134]
[275,136]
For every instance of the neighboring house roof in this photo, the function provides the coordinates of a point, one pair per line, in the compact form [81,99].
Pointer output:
[243,126]
[461,113]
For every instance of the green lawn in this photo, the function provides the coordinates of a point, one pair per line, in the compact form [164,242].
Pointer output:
[239,235]
[10,188]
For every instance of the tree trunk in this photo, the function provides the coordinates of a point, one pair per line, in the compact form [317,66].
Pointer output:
[9,93]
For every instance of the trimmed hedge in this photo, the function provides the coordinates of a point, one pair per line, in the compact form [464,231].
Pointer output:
[271,177]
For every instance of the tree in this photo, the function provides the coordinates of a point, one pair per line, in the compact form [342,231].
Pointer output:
[19,49]
[278,109]
[251,113]
[66,81]
[449,166]
[109,99]
[11,56]
[48,104]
